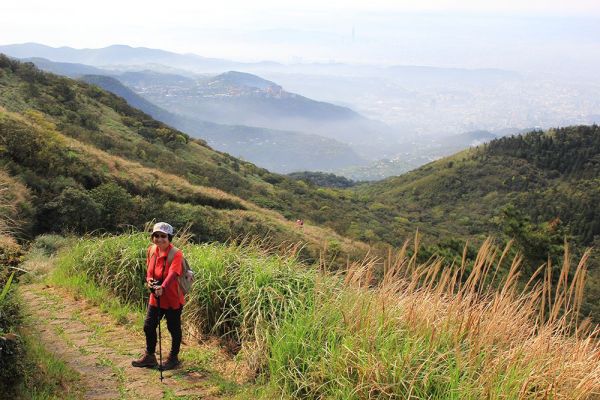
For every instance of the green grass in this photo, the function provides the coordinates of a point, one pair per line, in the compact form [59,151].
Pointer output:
[196,360]
[423,332]
[46,376]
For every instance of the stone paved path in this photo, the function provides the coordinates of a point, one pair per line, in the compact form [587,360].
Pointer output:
[91,343]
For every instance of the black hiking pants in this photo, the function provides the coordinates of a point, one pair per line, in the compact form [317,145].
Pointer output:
[153,317]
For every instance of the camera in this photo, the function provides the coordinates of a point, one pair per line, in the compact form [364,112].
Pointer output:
[154,284]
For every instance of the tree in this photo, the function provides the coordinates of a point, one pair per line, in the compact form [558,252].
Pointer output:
[116,205]
[537,242]
[73,210]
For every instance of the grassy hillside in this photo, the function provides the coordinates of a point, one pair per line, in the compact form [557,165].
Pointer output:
[93,162]
[544,175]
[541,189]
[426,331]
[456,196]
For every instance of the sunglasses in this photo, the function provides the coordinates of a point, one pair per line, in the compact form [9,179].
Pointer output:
[160,235]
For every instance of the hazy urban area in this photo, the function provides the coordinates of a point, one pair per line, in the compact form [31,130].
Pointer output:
[383,91]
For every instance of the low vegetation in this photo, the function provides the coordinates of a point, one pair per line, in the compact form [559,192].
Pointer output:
[93,163]
[398,329]
[27,369]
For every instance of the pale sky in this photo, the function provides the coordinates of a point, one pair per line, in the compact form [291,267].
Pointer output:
[469,33]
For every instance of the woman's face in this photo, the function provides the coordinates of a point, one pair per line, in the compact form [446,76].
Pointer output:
[160,239]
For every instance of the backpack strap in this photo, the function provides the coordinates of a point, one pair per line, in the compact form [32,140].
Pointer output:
[151,250]
[170,258]
[171,254]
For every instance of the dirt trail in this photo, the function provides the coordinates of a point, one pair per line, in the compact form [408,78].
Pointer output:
[91,343]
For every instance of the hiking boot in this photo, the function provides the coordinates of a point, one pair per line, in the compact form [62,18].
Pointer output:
[147,361]
[171,362]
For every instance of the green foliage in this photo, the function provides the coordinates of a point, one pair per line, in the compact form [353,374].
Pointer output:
[539,189]
[538,242]
[319,353]
[116,205]
[6,288]
[117,264]
[316,336]
[12,367]
[323,179]
[49,244]
[243,293]
[73,210]
[238,291]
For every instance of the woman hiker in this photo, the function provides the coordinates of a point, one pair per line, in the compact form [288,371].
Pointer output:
[162,281]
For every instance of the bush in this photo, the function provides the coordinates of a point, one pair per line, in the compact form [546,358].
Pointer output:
[50,244]
[12,364]
[73,210]
[12,351]
[11,252]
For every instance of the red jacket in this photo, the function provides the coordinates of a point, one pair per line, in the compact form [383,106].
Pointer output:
[172,297]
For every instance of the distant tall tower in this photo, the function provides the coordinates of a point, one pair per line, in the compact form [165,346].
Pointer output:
[353,34]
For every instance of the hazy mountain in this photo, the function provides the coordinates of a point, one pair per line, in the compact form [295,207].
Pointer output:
[278,150]
[121,55]
[72,70]
[419,104]
[244,99]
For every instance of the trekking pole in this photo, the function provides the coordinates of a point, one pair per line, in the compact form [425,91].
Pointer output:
[160,368]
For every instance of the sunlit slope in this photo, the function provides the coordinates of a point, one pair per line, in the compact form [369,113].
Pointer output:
[95,163]
[544,175]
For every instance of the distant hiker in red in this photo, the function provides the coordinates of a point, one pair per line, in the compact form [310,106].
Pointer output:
[161,279]
[300,223]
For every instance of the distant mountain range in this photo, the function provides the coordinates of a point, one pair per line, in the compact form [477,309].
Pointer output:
[245,99]
[281,151]
[122,55]
[117,55]
[278,150]
[261,117]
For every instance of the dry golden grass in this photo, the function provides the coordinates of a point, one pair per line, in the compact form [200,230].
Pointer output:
[134,173]
[12,193]
[494,327]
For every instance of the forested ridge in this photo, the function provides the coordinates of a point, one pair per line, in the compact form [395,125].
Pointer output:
[571,155]
[450,313]
[93,163]
[90,162]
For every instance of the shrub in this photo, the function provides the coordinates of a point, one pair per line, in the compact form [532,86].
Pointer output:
[12,367]
[73,210]
[423,330]
[49,243]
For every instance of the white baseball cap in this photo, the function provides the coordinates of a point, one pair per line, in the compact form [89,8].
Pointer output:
[163,227]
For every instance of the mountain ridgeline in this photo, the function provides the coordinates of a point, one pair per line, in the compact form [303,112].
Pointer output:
[544,175]
[281,150]
[91,161]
